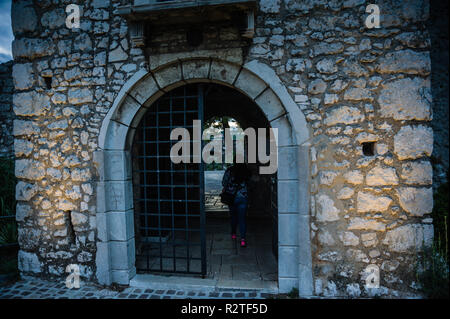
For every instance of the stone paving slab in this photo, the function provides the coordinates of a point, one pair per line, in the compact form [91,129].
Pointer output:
[42,289]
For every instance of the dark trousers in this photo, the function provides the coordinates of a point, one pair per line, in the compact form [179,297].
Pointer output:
[238,213]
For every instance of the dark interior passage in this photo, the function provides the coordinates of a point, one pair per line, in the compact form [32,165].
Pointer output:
[176,231]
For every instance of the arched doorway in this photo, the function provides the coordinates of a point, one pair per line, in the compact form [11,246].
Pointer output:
[174,231]
[115,256]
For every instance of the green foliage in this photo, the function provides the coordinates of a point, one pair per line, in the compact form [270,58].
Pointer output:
[433,273]
[8,227]
[440,219]
[8,233]
[8,264]
[7,187]
[294,293]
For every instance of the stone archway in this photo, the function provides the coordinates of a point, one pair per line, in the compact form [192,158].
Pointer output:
[115,247]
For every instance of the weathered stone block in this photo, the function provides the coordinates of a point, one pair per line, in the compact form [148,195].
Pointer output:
[223,72]
[349,239]
[196,69]
[406,99]
[409,237]
[169,76]
[287,155]
[325,238]
[358,94]
[22,147]
[121,225]
[83,42]
[369,239]
[270,6]
[345,193]
[326,209]
[327,48]
[417,173]
[288,261]
[80,96]
[249,84]
[270,105]
[343,115]
[25,191]
[66,205]
[29,169]
[81,175]
[288,200]
[31,103]
[54,19]
[327,66]
[32,48]
[23,76]
[327,177]
[126,113]
[23,211]
[23,17]
[122,254]
[381,176]
[317,86]
[416,201]
[117,166]
[354,177]
[119,196]
[29,262]
[117,55]
[405,61]
[358,223]
[367,202]
[412,142]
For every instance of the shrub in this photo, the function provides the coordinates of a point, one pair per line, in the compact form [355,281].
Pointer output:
[433,274]
[7,187]
[434,271]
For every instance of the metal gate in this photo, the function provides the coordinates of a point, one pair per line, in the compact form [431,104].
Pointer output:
[169,204]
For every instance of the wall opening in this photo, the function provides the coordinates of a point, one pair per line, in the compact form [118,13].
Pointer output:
[176,231]
[117,233]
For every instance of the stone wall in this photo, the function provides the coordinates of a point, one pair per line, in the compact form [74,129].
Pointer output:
[6,112]
[354,85]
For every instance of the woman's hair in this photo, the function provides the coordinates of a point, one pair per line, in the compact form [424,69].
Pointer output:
[240,172]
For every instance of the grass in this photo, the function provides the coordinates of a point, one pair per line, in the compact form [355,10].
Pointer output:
[8,226]
[7,187]
[8,262]
[433,272]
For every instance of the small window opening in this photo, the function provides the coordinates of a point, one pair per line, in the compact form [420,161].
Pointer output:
[368,148]
[48,82]
[70,228]
[194,36]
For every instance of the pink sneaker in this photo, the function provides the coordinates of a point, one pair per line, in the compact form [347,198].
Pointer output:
[243,244]
[233,236]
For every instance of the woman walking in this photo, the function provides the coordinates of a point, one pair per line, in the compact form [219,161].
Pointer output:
[235,186]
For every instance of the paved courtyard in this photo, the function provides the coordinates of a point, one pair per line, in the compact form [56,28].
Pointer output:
[41,289]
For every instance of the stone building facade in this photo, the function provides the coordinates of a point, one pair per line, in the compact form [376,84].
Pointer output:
[352,106]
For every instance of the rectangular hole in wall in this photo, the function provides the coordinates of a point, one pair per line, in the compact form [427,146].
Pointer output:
[48,82]
[368,148]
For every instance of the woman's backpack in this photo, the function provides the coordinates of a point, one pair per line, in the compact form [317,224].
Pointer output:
[227,198]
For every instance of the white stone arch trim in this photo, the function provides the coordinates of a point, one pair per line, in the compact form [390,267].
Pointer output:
[116,251]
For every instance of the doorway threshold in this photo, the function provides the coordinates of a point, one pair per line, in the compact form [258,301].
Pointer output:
[156,282]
